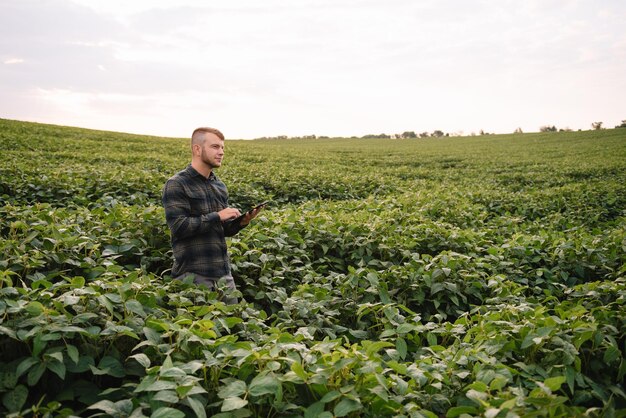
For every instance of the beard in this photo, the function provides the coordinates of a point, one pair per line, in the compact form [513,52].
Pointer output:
[211,162]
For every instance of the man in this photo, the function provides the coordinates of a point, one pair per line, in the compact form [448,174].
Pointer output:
[198,215]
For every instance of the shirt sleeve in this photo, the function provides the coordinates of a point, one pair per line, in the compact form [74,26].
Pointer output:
[230,229]
[178,213]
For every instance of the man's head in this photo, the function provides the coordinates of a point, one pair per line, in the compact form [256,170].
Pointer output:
[199,134]
[207,149]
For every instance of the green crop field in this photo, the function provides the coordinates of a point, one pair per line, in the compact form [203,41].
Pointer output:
[452,277]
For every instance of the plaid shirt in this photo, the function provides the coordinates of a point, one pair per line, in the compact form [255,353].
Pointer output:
[191,203]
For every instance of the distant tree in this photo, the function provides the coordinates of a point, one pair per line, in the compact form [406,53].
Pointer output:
[408,134]
[437,133]
[380,136]
[518,131]
[547,129]
[623,125]
[424,135]
[481,132]
[596,125]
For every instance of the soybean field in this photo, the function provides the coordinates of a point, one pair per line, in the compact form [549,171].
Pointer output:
[441,277]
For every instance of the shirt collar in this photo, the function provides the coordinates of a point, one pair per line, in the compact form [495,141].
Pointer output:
[193,172]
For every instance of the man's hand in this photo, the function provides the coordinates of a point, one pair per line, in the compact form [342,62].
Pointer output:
[250,216]
[228,214]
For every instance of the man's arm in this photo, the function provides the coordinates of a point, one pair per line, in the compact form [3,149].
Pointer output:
[231,228]
[178,213]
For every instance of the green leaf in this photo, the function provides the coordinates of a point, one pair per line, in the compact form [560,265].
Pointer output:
[477,395]
[58,368]
[7,331]
[106,303]
[401,347]
[384,295]
[570,374]
[330,396]
[157,386]
[264,385]
[498,383]
[168,396]
[69,300]
[14,400]
[196,406]
[554,383]
[174,372]
[8,380]
[234,403]
[84,364]
[457,411]
[435,275]
[105,405]
[25,365]
[529,340]
[72,353]
[479,386]
[346,406]
[56,355]
[35,374]
[72,328]
[109,366]
[236,388]
[135,307]
[34,308]
[142,359]
[611,354]
[167,412]
[314,410]
[39,344]
[78,282]
[375,347]
[405,327]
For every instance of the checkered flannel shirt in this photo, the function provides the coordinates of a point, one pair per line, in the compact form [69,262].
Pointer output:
[191,203]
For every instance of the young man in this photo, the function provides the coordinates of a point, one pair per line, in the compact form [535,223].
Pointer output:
[198,215]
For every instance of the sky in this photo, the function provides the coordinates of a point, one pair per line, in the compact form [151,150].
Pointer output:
[313,67]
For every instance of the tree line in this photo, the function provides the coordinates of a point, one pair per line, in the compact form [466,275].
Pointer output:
[439,133]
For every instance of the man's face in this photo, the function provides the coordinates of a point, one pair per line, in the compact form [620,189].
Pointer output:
[212,150]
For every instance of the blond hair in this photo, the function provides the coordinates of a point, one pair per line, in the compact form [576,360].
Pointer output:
[197,137]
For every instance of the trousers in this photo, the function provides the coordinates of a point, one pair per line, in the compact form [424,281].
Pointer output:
[211,283]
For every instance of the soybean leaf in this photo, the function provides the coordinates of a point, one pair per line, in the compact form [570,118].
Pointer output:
[167,412]
[14,399]
[196,406]
[25,365]
[234,403]
[168,396]
[235,388]
[264,385]
[35,374]
[346,406]
[554,383]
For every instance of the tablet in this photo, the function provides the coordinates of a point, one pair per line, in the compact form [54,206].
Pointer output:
[240,217]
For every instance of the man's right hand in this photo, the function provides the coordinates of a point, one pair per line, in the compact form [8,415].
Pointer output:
[228,214]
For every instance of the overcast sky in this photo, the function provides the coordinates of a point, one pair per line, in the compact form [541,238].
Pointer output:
[323,67]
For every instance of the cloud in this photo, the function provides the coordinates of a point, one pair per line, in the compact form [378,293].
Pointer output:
[13,61]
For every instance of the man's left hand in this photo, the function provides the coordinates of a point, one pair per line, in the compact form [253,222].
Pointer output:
[250,216]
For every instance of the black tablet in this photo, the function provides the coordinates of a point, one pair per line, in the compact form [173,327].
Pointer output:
[240,217]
